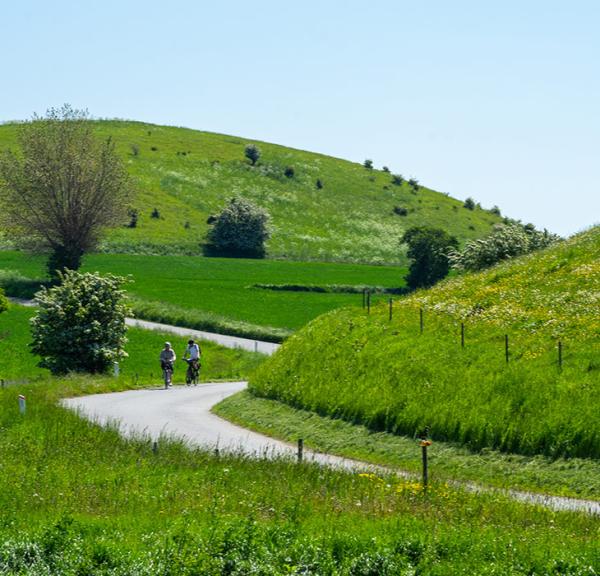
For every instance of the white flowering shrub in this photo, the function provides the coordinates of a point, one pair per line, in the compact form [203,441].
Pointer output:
[506,241]
[80,324]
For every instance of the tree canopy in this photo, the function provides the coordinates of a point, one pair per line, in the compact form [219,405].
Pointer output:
[63,188]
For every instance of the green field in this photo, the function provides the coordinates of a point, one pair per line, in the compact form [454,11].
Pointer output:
[350,219]
[77,499]
[388,376]
[218,293]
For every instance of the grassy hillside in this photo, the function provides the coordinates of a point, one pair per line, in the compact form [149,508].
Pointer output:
[188,175]
[389,376]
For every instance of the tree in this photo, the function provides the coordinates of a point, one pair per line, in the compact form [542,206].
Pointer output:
[397,179]
[80,324]
[469,204]
[368,164]
[252,152]
[241,229]
[319,184]
[385,169]
[63,189]
[428,249]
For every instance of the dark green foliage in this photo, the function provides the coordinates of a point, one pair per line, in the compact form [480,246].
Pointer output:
[386,169]
[155,213]
[252,152]
[413,183]
[319,184]
[469,204]
[397,179]
[368,164]
[133,214]
[3,301]
[401,210]
[135,150]
[241,229]
[154,149]
[428,250]
[289,172]
[80,324]
[187,225]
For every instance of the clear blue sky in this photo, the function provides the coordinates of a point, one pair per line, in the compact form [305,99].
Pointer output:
[495,100]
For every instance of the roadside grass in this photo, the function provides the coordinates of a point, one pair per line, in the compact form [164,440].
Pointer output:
[141,368]
[388,376]
[574,477]
[79,499]
[217,294]
[189,175]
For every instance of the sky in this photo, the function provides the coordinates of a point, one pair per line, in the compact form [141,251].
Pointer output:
[498,101]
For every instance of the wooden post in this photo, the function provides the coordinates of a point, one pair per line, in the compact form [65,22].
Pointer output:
[506,353]
[421,319]
[424,445]
[368,302]
[364,301]
[300,450]
[155,447]
[391,307]
[462,334]
[559,355]
[217,452]
[255,346]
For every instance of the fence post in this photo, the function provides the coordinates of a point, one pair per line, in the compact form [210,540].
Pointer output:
[462,334]
[116,369]
[300,449]
[560,355]
[424,445]
[421,319]
[22,404]
[506,352]
[255,346]
[391,307]
[155,447]
[364,298]
[368,302]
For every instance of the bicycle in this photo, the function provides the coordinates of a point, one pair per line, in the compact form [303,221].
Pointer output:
[193,372]
[167,368]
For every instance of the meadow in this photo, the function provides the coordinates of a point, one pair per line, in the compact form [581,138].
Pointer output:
[187,176]
[218,294]
[79,499]
[391,377]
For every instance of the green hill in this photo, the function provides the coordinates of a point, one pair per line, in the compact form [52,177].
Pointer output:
[386,374]
[188,175]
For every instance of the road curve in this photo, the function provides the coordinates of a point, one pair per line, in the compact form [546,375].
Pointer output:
[184,412]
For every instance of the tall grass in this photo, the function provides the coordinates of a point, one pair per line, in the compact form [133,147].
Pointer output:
[387,375]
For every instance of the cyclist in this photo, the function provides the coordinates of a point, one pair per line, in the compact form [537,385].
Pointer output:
[167,358]
[192,357]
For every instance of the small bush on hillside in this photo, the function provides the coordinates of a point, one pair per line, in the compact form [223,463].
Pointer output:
[187,225]
[428,250]
[252,152]
[495,210]
[211,219]
[133,217]
[80,324]
[135,150]
[397,179]
[386,169]
[155,213]
[506,241]
[154,149]
[368,164]
[400,210]
[469,204]
[241,229]
[413,183]
[289,172]
[3,301]
[319,184]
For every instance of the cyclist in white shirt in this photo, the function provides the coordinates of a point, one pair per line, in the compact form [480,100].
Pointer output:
[192,357]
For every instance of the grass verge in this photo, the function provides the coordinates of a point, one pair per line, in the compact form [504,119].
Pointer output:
[573,477]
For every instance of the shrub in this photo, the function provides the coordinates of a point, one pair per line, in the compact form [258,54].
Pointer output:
[400,210]
[155,213]
[397,179]
[289,172]
[386,169]
[469,204]
[187,225]
[428,249]
[506,241]
[368,164]
[319,184]
[241,229]
[154,149]
[80,324]
[211,219]
[135,150]
[252,152]
[413,183]
[3,301]
[495,210]
[133,217]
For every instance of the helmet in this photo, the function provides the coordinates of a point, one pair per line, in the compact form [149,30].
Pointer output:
[190,341]
[167,344]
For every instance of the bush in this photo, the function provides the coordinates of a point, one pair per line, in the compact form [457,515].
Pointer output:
[133,217]
[80,324]
[495,210]
[155,213]
[135,150]
[413,183]
[401,210]
[319,184]
[397,179]
[386,169]
[154,149]
[368,164]
[506,241]
[3,301]
[469,204]
[241,229]
[428,249]
[289,172]
[252,153]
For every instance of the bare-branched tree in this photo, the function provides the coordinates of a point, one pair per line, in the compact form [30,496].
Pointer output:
[63,188]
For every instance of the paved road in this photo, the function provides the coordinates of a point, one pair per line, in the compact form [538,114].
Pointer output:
[184,412]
